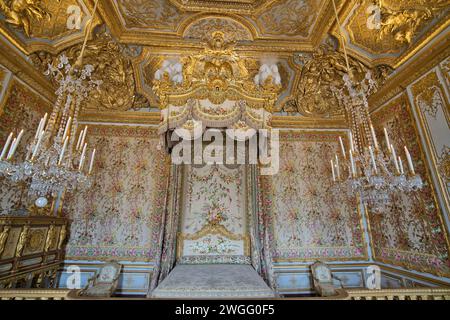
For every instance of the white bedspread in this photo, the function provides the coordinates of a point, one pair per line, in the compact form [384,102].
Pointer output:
[221,281]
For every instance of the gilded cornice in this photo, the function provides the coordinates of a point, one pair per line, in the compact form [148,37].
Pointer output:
[29,45]
[128,117]
[417,66]
[22,69]
[282,122]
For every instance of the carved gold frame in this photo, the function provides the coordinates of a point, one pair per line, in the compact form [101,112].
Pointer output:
[212,229]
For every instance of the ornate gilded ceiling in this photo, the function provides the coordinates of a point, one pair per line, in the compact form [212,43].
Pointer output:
[142,33]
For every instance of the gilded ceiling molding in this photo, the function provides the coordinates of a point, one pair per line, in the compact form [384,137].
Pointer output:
[410,71]
[399,20]
[166,40]
[22,69]
[289,18]
[326,20]
[188,23]
[22,13]
[229,6]
[50,33]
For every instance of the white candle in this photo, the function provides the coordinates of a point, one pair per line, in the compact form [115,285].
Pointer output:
[394,155]
[10,150]
[410,163]
[79,140]
[374,137]
[5,148]
[372,156]
[15,145]
[83,155]
[91,165]
[44,122]
[338,171]
[61,155]
[352,146]
[84,136]
[342,147]
[38,131]
[38,144]
[66,130]
[388,142]
[332,170]
[400,162]
[352,162]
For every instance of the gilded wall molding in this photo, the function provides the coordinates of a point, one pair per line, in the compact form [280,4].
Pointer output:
[19,66]
[409,72]
[431,104]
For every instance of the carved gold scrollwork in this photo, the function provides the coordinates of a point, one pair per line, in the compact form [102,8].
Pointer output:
[62,236]
[112,64]
[50,238]
[3,237]
[22,240]
[321,71]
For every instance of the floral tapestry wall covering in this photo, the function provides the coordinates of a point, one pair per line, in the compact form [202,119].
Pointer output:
[214,195]
[411,232]
[21,109]
[119,217]
[310,222]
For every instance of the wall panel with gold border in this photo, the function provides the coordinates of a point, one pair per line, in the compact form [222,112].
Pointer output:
[429,96]
[310,220]
[411,232]
[119,217]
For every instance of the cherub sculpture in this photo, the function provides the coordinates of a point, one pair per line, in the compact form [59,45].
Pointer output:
[21,12]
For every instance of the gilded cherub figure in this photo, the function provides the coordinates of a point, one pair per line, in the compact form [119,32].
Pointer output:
[404,24]
[21,12]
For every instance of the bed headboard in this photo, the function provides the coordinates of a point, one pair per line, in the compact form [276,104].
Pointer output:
[213,244]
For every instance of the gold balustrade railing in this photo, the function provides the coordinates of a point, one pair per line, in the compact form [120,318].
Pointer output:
[33,294]
[400,294]
[348,294]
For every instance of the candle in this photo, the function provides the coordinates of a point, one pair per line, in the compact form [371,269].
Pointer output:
[394,155]
[38,131]
[10,150]
[332,170]
[400,162]
[66,130]
[338,171]
[352,162]
[410,163]
[5,148]
[15,145]
[36,148]
[374,137]
[91,165]
[79,140]
[388,142]
[83,155]
[372,156]
[84,136]
[352,146]
[342,147]
[44,122]
[61,155]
